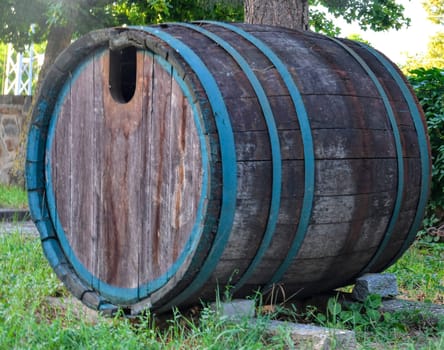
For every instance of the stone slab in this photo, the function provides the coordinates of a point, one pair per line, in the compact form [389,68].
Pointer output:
[25,227]
[432,312]
[235,309]
[303,336]
[383,284]
[12,215]
[313,337]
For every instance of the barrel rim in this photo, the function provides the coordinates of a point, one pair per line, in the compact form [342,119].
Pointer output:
[116,293]
[205,266]
[159,39]
[40,198]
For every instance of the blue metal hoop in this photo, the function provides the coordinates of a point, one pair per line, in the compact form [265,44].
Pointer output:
[307,141]
[228,155]
[399,156]
[423,150]
[120,294]
[274,143]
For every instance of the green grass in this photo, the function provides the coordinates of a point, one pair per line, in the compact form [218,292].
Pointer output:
[28,321]
[13,197]
[420,272]
[420,276]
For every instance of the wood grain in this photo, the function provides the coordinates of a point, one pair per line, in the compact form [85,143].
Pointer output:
[127,177]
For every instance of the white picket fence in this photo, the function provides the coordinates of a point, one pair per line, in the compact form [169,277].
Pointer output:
[21,67]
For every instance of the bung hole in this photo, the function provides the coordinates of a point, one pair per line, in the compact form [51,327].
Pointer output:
[122,74]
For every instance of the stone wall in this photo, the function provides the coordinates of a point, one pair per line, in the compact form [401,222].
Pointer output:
[13,110]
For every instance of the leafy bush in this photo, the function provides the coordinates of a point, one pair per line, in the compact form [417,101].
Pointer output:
[358,316]
[429,88]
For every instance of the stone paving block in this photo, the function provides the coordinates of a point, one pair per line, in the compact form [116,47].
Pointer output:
[14,215]
[303,336]
[314,337]
[432,312]
[25,227]
[383,284]
[235,309]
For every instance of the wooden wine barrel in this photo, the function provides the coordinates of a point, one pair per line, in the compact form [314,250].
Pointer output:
[166,162]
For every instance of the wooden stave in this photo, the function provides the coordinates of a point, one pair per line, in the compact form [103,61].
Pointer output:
[209,288]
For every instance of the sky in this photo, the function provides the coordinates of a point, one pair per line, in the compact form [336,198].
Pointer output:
[406,41]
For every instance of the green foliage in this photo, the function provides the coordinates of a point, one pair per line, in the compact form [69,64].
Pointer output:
[27,321]
[156,11]
[377,15]
[435,51]
[321,23]
[22,21]
[420,276]
[435,9]
[25,21]
[12,197]
[359,316]
[429,88]
[138,13]
[436,45]
[185,10]
[373,326]
[433,58]
[212,331]
[358,37]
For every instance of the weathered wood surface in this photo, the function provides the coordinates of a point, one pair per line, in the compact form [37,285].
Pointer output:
[128,176]
[355,172]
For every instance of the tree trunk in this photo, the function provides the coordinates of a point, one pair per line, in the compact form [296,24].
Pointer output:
[285,13]
[58,39]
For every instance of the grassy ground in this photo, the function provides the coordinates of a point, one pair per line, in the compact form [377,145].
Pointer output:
[28,321]
[420,273]
[13,197]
